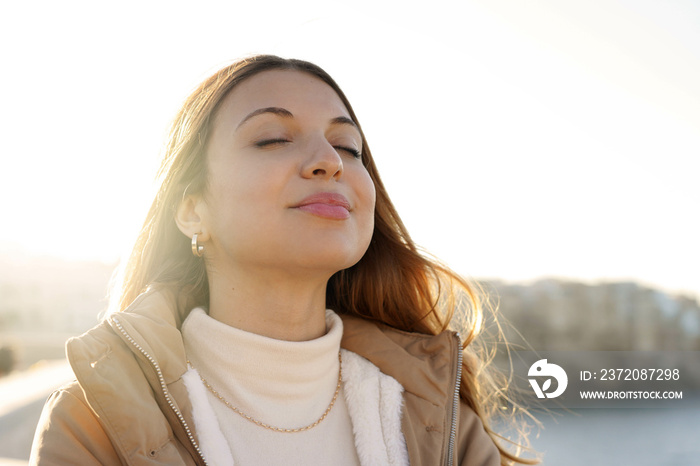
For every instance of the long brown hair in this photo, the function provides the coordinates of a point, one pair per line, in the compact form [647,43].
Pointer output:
[393,283]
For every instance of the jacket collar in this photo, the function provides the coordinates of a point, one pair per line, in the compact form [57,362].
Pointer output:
[129,369]
[423,364]
[152,323]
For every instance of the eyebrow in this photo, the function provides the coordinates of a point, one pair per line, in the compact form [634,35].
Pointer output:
[283,112]
[344,121]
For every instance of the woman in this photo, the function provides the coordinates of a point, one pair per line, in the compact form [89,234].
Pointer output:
[274,308]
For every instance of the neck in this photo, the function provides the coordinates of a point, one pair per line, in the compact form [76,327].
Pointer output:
[276,305]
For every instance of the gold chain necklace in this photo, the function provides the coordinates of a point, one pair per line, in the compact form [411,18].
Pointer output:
[280,429]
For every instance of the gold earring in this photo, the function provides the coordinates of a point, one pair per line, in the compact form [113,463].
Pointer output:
[197,250]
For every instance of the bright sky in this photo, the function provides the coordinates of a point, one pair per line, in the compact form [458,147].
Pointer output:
[517,139]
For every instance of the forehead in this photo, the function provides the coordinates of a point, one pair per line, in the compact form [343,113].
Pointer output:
[299,92]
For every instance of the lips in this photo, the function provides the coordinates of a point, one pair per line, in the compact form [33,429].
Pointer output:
[332,206]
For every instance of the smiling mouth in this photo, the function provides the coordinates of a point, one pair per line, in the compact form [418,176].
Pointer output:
[332,206]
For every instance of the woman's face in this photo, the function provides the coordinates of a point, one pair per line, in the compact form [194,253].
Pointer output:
[286,186]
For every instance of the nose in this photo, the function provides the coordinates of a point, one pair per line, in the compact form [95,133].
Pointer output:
[323,161]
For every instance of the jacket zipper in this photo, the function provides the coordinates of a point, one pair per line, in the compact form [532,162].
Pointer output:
[455,403]
[163,387]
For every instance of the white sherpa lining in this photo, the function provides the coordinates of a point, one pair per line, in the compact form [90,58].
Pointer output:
[374,401]
[211,440]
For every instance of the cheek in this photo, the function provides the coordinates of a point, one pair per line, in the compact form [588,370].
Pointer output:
[243,185]
[248,202]
[229,200]
[368,192]
[367,195]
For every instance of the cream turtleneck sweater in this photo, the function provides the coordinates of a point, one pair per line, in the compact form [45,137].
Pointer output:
[281,383]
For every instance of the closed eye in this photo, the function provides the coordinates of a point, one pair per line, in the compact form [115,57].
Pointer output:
[354,152]
[270,142]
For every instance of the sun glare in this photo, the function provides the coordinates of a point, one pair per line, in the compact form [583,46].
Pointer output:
[516,139]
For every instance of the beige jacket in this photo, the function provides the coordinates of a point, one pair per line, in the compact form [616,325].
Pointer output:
[129,404]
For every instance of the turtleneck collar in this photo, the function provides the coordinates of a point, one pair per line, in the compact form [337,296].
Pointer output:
[283,383]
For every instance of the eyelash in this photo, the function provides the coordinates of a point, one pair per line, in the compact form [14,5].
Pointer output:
[354,152]
[268,142]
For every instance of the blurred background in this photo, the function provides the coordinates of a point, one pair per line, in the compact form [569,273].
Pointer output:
[549,149]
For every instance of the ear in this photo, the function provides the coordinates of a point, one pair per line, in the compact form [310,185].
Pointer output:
[189,217]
